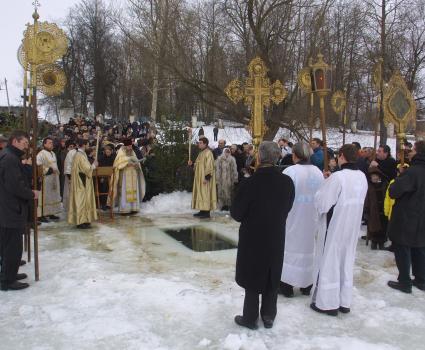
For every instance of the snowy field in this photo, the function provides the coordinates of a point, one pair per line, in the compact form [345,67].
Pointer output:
[127,285]
[239,135]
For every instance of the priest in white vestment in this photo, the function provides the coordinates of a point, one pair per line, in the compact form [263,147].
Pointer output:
[50,198]
[301,224]
[339,203]
[129,185]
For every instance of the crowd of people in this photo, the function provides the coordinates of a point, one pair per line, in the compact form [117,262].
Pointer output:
[299,223]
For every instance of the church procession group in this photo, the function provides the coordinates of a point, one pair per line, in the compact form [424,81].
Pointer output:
[299,224]
[300,228]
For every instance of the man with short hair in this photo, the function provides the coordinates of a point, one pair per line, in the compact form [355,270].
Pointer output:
[385,162]
[219,149]
[339,204]
[261,206]
[317,158]
[407,225]
[15,198]
[204,194]
[361,160]
[284,146]
[82,203]
[50,202]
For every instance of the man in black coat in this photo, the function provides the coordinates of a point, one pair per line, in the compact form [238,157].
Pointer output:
[15,198]
[385,162]
[407,224]
[261,205]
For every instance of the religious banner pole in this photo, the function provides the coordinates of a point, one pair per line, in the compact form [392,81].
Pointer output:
[399,108]
[321,79]
[257,94]
[339,105]
[304,82]
[97,146]
[33,79]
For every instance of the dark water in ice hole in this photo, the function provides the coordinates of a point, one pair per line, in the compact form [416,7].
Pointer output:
[200,239]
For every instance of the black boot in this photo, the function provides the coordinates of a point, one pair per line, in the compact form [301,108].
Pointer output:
[306,290]
[44,219]
[374,246]
[198,214]
[204,214]
[326,312]
[419,285]
[401,287]
[244,323]
[53,217]
[344,310]
[14,286]
[268,322]
[21,276]
[286,290]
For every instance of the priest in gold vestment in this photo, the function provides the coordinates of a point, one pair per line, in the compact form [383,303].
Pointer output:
[82,204]
[129,184]
[204,194]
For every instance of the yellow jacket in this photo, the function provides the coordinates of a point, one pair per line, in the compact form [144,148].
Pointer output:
[388,202]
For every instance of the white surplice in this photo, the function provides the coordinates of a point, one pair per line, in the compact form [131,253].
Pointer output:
[345,192]
[301,226]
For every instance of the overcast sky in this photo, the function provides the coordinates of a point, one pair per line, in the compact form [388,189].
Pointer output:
[15,15]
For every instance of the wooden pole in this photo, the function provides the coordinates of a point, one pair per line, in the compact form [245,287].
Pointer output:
[323,126]
[311,114]
[34,163]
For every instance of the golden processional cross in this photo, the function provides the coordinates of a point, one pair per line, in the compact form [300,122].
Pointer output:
[257,94]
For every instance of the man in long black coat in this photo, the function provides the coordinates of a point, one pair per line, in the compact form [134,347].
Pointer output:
[261,205]
[407,224]
[15,198]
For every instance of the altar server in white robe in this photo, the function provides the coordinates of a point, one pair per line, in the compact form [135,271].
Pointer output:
[339,203]
[50,201]
[301,224]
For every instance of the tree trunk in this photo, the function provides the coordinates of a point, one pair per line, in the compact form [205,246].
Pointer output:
[155,89]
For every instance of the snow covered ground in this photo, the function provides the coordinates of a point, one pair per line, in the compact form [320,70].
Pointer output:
[239,135]
[127,285]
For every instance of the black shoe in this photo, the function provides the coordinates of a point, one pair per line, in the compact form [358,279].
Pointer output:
[198,214]
[225,208]
[54,217]
[374,246]
[333,312]
[242,322]
[43,219]
[306,290]
[14,286]
[22,263]
[268,322]
[418,285]
[286,290]
[204,215]
[21,276]
[344,310]
[400,287]
[364,238]
[84,226]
